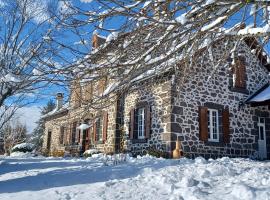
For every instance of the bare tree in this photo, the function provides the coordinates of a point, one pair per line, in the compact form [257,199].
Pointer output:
[144,35]
[29,57]
[44,42]
[13,133]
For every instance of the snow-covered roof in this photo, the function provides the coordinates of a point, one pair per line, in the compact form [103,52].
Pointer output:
[261,95]
[56,111]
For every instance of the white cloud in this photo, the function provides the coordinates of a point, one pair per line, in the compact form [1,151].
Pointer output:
[28,116]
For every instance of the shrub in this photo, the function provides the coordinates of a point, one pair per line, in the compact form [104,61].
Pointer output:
[58,153]
[23,147]
[157,153]
[90,152]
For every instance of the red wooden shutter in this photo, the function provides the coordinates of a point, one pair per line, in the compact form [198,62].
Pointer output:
[132,121]
[70,133]
[239,71]
[77,136]
[226,125]
[105,126]
[147,121]
[242,74]
[203,124]
[95,130]
[236,72]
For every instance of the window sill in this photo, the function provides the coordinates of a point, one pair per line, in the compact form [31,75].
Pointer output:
[212,143]
[239,90]
[134,141]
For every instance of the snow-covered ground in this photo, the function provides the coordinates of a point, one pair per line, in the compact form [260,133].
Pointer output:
[141,178]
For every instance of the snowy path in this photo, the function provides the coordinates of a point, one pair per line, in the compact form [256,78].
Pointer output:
[142,178]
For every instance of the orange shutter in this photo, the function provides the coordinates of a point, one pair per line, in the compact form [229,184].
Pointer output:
[226,125]
[203,124]
[105,126]
[131,125]
[147,121]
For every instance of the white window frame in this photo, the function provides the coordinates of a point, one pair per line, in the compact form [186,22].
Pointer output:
[99,129]
[261,124]
[141,123]
[211,125]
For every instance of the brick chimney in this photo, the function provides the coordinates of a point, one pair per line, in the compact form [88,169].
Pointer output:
[97,40]
[59,100]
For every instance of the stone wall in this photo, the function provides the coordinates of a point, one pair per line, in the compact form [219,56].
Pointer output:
[209,82]
[53,125]
[157,94]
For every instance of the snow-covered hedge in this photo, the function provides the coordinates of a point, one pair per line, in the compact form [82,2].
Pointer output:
[90,152]
[23,147]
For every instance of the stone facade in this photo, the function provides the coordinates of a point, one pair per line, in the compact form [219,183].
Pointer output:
[174,99]
[157,96]
[201,90]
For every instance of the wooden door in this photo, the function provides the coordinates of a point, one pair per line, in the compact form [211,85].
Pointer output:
[49,139]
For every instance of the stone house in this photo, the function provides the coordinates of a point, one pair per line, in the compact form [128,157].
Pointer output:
[223,115]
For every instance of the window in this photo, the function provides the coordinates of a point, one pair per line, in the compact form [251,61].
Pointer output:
[141,123]
[99,129]
[213,125]
[261,125]
[73,133]
[88,91]
[62,135]
[102,83]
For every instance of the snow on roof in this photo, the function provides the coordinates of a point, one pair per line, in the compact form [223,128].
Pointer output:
[264,95]
[23,146]
[56,110]
[110,88]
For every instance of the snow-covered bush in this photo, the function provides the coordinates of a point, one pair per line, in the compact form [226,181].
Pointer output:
[23,147]
[90,152]
[114,159]
[22,154]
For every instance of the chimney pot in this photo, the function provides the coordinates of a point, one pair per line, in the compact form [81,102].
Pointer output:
[59,100]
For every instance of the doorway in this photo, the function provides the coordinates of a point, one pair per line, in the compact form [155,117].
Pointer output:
[49,139]
[262,139]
